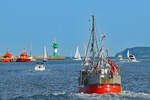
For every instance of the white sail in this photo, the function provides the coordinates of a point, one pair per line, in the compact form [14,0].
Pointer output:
[86,54]
[86,57]
[77,55]
[85,51]
[45,54]
[71,55]
[128,54]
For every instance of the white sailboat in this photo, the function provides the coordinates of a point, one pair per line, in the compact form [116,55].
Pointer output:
[86,58]
[131,57]
[71,55]
[45,54]
[77,55]
[31,57]
[128,53]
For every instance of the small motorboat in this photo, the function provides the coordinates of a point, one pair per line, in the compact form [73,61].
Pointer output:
[39,66]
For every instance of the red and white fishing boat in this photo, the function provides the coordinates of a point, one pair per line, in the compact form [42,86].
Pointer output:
[101,75]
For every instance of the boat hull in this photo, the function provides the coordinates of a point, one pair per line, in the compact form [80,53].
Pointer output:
[39,69]
[77,59]
[101,89]
[6,60]
[23,60]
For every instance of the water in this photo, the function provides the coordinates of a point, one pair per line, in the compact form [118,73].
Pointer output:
[19,81]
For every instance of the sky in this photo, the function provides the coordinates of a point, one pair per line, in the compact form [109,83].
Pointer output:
[36,23]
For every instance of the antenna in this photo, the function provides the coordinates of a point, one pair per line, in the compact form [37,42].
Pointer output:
[31,49]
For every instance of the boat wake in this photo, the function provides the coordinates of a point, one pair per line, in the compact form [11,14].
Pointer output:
[132,94]
[113,96]
[47,70]
[125,95]
[137,61]
[126,61]
[44,96]
[58,93]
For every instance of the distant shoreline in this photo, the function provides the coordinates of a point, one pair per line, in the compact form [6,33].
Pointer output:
[48,58]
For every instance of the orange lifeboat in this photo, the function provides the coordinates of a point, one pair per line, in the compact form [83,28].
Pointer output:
[23,57]
[7,57]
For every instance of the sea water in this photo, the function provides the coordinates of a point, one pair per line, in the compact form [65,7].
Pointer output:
[19,81]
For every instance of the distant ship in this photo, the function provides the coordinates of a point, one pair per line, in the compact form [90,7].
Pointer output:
[77,55]
[23,57]
[131,57]
[120,57]
[101,75]
[7,57]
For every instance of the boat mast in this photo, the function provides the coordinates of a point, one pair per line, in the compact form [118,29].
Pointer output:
[93,38]
[31,49]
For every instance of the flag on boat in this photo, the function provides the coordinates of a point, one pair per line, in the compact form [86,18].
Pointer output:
[103,37]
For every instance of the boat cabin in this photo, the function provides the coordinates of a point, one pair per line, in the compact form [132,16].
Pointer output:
[7,57]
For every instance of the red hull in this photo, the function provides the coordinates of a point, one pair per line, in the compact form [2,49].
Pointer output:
[101,89]
[6,60]
[23,60]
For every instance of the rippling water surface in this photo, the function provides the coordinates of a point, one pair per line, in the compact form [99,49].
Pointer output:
[19,81]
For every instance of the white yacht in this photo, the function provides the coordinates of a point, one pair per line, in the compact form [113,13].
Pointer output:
[131,57]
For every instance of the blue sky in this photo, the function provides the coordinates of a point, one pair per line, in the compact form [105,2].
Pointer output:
[22,22]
